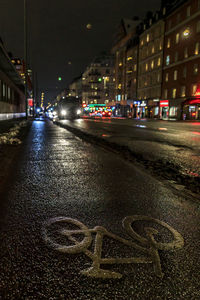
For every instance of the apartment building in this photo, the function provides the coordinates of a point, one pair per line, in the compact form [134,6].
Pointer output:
[75,88]
[98,81]
[125,51]
[150,65]
[181,68]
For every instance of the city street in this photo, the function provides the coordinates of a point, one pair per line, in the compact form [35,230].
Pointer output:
[79,222]
[170,149]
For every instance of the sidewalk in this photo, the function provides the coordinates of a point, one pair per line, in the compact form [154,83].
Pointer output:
[12,133]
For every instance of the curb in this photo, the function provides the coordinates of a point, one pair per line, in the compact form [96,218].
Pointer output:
[159,168]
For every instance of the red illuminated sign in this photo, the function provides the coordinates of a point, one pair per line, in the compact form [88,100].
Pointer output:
[164,103]
[30,102]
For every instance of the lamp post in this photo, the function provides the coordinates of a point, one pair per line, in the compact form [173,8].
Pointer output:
[25,58]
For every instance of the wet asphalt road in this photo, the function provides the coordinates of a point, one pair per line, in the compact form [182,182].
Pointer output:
[57,175]
[175,142]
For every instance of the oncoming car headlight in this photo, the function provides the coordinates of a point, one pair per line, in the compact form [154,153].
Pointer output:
[78,112]
[63,112]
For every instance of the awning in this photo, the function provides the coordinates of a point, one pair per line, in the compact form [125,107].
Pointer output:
[192,101]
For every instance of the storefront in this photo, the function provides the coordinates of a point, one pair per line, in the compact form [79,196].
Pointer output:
[164,109]
[191,109]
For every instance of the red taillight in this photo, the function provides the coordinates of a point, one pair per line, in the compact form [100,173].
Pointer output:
[109,114]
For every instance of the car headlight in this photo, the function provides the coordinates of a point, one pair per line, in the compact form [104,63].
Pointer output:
[63,112]
[78,112]
[54,113]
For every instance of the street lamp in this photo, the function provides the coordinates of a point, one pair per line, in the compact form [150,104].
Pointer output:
[25,57]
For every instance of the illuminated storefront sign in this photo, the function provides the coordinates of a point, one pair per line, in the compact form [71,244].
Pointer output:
[164,103]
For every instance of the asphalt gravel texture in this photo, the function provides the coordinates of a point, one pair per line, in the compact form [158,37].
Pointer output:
[57,174]
[170,150]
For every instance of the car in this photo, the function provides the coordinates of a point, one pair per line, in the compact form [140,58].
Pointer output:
[106,114]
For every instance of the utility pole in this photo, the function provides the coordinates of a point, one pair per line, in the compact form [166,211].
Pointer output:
[25,58]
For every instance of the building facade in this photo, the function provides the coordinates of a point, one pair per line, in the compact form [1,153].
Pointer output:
[181,70]
[150,66]
[125,51]
[12,98]
[97,81]
[75,88]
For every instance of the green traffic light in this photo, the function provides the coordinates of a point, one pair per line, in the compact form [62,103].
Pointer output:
[59,78]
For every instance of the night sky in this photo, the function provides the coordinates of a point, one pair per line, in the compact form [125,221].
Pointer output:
[58,34]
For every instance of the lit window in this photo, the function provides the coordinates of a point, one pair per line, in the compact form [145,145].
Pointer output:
[168,43]
[183,91]
[119,86]
[135,67]
[142,43]
[186,53]
[129,58]
[147,37]
[153,49]
[165,93]
[146,67]
[198,26]
[196,52]
[150,22]
[184,72]
[159,61]
[194,89]
[188,11]
[166,77]
[174,93]
[164,10]
[158,78]
[152,64]
[167,60]
[195,69]
[8,92]
[120,64]
[4,90]
[177,38]
[175,74]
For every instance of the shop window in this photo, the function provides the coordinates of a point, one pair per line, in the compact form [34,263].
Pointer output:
[195,70]
[174,93]
[175,74]
[168,43]
[177,38]
[173,111]
[186,53]
[167,77]
[183,91]
[196,52]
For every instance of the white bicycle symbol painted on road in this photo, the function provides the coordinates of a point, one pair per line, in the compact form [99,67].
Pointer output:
[148,246]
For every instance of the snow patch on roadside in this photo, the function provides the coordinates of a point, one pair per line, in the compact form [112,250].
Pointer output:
[10,138]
